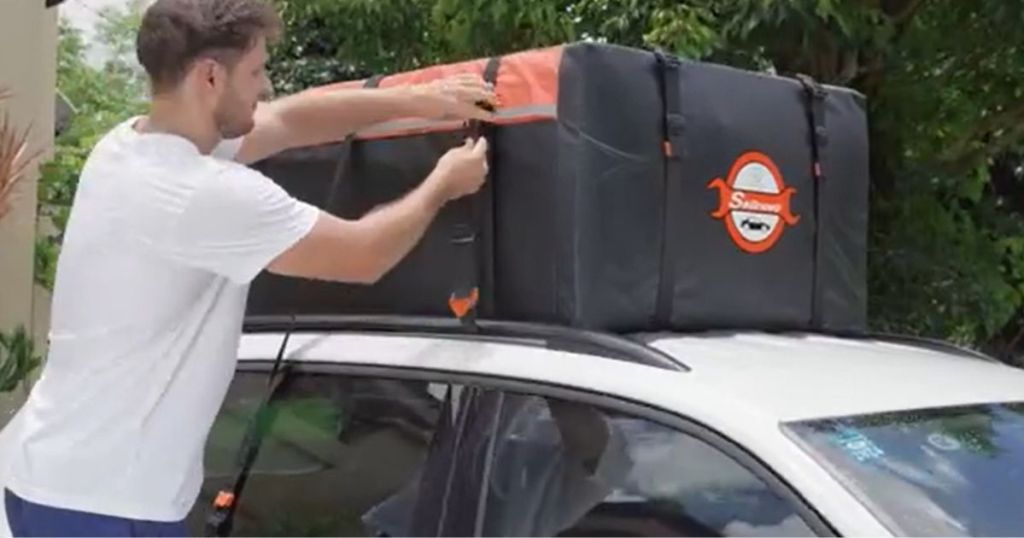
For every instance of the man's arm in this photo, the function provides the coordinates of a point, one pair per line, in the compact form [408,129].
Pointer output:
[311,118]
[363,251]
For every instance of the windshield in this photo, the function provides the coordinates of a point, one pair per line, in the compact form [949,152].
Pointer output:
[948,471]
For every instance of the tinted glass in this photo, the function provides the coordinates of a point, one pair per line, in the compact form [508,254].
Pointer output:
[949,472]
[337,448]
[562,468]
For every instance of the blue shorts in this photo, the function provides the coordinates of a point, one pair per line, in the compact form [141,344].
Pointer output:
[29,519]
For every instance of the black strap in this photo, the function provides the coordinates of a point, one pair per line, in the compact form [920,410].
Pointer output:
[491,70]
[814,102]
[487,250]
[673,126]
[221,520]
[465,296]
[344,158]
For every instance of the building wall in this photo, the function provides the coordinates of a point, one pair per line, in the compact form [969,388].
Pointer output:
[28,56]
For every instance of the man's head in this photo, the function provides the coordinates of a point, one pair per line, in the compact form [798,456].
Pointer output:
[211,53]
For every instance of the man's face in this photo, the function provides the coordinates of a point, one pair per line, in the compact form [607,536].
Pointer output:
[246,84]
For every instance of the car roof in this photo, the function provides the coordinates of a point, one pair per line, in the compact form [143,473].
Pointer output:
[801,376]
[785,377]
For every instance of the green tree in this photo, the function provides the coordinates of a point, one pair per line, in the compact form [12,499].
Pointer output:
[329,40]
[102,96]
[18,358]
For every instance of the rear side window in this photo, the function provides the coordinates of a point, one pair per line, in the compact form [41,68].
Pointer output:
[340,450]
[573,469]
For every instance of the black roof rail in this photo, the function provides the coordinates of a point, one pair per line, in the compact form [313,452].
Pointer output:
[932,344]
[556,337]
[922,342]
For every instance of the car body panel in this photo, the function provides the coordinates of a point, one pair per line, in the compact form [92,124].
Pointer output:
[796,377]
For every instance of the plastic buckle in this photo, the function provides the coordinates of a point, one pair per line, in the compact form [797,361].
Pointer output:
[224,500]
[676,124]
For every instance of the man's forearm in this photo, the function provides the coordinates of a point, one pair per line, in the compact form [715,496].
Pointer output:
[321,117]
[392,230]
[364,250]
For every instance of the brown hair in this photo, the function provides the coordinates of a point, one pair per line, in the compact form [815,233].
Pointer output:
[175,33]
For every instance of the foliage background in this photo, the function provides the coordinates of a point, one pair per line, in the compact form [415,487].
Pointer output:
[944,80]
[102,96]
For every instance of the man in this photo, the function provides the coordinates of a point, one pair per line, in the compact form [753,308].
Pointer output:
[165,234]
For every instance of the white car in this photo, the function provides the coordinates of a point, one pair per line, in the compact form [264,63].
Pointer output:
[415,427]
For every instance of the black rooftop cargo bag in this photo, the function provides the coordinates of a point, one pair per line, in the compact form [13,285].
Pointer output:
[629,191]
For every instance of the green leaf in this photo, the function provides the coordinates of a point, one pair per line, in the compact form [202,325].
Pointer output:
[18,358]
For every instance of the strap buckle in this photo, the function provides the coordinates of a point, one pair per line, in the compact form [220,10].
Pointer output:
[218,522]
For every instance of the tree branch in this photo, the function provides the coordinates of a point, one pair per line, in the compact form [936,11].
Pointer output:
[1010,118]
[900,11]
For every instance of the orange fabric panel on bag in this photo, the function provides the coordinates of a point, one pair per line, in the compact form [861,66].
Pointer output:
[529,78]
[526,86]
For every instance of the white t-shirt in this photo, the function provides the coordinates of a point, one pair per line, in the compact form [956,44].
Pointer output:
[148,306]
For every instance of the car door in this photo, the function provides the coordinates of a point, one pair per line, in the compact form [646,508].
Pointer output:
[368,450]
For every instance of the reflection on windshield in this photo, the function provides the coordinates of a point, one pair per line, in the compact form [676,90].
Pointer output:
[949,472]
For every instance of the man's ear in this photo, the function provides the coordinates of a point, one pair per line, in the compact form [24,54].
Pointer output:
[211,73]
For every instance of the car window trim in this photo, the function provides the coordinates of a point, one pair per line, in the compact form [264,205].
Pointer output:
[743,457]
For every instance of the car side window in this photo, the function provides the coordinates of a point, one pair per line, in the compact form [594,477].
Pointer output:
[342,455]
[560,468]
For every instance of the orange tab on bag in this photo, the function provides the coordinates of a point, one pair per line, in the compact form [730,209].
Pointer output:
[462,305]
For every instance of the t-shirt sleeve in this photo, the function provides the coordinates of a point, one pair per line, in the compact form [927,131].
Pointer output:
[237,222]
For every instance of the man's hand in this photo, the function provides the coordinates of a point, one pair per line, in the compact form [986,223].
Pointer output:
[461,171]
[312,118]
[458,97]
[364,250]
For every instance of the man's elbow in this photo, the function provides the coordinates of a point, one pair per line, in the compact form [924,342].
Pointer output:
[361,272]
[337,251]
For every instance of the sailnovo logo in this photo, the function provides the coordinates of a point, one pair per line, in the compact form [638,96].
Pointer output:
[754,203]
